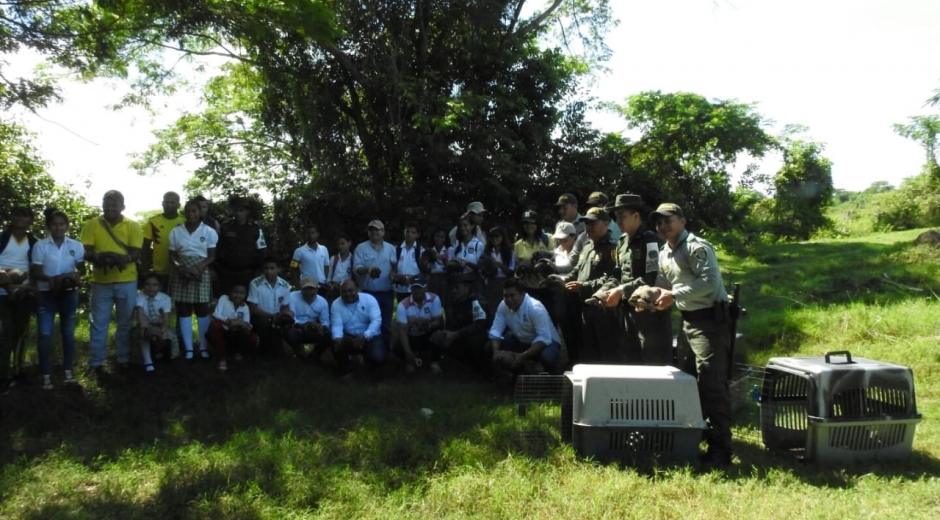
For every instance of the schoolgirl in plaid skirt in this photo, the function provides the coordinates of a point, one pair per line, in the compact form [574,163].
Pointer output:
[192,250]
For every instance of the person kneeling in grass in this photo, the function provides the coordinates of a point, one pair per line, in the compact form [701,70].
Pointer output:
[153,319]
[311,321]
[231,327]
[269,300]
[356,323]
[419,316]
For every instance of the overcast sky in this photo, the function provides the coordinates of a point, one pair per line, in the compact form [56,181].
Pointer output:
[846,69]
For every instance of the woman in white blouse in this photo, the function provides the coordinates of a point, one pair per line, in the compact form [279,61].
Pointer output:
[57,266]
[192,250]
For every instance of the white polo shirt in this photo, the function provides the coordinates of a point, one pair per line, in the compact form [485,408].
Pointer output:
[161,302]
[360,317]
[269,298]
[226,310]
[312,262]
[318,310]
[384,258]
[56,260]
[341,270]
[196,243]
[407,264]
[471,252]
[408,308]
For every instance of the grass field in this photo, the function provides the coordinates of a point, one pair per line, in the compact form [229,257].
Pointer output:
[273,439]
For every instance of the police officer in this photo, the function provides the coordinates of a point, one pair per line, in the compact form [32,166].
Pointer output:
[692,280]
[241,248]
[647,335]
[596,263]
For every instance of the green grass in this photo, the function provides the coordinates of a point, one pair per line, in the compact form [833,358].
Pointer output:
[278,440]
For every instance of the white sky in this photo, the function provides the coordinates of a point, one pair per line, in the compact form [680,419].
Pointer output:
[847,69]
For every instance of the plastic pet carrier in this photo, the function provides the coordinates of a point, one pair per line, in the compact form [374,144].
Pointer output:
[837,409]
[629,412]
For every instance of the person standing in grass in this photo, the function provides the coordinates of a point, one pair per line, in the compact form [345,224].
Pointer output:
[374,262]
[153,318]
[112,245]
[691,280]
[242,246]
[341,266]
[17,298]
[192,251]
[231,327]
[57,266]
[155,253]
[310,259]
[649,334]
[531,241]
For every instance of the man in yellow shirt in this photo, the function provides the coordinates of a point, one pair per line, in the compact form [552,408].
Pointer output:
[112,245]
[155,254]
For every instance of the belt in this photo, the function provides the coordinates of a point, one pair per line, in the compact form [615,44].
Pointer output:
[698,315]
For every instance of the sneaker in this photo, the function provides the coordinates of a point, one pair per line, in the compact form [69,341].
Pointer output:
[69,378]
[204,354]
[189,354]
[47,382]
[148,368]
[436,368]
[222,366]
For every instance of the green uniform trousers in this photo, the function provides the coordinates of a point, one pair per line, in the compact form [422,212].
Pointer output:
[703,352]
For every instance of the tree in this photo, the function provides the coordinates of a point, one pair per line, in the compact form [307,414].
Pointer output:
[924,130]
[802,191]
[24,181]
[425,104]
[688,144]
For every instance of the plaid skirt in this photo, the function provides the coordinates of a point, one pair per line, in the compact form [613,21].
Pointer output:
[190,291]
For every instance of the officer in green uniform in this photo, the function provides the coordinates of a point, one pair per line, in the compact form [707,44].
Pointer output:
[596,263]
[647,335]
[692,281]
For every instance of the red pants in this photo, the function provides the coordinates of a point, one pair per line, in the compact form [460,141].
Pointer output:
[221,339]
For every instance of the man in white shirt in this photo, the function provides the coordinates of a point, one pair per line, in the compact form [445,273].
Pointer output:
[356,324]
[311,321]
[310,259]
[407,264]
[418,317]
[374,262]
[523,331]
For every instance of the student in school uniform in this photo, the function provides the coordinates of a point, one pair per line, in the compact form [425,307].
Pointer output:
[153,320]
[269,299]
[407,263]
[231,328]
[341,266]
[192,251]
[310,259]
[498,263]
[419,316]
[57,267]
[434,263]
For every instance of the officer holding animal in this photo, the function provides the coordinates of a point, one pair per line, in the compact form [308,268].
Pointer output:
[647,335]
[691,281]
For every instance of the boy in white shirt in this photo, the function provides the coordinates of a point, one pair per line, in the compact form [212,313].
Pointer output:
[269,300]
[407,266]
[310,259]
[153,316]
[341,267]
[231,326]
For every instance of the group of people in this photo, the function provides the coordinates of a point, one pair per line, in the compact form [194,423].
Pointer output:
[598,289]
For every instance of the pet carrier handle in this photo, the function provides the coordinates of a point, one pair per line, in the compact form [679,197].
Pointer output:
[846,353]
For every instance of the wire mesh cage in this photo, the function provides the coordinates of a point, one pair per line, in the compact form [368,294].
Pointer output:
[539,401]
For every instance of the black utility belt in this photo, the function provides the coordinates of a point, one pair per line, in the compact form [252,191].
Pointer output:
[718,312]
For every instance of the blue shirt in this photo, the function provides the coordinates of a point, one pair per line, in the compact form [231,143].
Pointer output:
[384,258]
[361,317]
[305,312]
[529,324]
